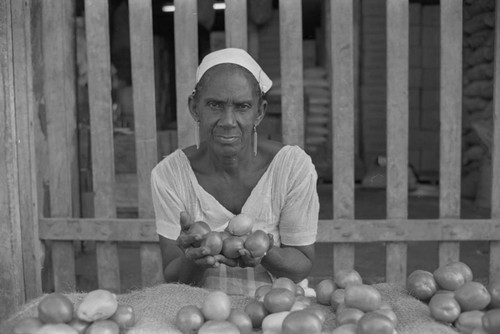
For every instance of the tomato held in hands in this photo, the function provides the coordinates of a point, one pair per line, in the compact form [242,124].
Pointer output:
[257,243]
[240,224]
[213,242]
[231,246]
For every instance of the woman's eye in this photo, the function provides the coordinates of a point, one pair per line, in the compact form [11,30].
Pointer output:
[215,105]
[243,107]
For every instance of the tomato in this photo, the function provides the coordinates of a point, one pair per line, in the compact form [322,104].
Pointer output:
[463,268]
[55,308]
[60,329]
[279,300]
[257,243]
[468,321]
[494,290]
[79,325]
[318,311]
[375,323]
[349,315]
[189,319]
[272,322]
[421,284]
[257,312]
[338,297]
[300,322]
[216,306]
[213,241]
[345,329]
[103,327]
[231,245]
[124,316]
[472,296]
[324,290]
[262,291]
[240,224]
[285,282]
[491,321]
[389,314]
[346,277]
[364,297]
[449,278]
[199,228]
[218,327]
[241,320]
[28,326]
[444,307]
[97,305]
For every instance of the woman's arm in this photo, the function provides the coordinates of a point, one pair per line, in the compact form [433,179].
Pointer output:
[294,262]
[176,267]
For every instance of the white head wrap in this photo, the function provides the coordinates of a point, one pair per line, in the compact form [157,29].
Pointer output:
[235,56]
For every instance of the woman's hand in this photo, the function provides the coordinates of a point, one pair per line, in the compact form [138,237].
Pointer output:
[190,244]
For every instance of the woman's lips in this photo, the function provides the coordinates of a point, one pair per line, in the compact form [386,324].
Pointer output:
[227,139]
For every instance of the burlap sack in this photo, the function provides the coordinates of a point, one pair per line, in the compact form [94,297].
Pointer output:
[156,308]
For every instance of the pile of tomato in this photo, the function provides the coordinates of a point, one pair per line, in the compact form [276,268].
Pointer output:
[98,313]
[358,307]
[280,307]
[455,298]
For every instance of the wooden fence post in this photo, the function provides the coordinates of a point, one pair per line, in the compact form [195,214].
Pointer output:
[12,293]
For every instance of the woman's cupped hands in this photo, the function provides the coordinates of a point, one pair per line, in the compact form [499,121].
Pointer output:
[190,240]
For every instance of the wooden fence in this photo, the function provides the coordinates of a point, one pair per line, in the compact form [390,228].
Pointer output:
[22,225]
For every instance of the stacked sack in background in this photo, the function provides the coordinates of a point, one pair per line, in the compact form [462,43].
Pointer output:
[478,67]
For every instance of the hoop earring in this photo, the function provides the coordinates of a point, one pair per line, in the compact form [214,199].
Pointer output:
[255,140]
[197,134]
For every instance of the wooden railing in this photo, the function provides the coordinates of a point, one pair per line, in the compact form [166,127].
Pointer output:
[343,229]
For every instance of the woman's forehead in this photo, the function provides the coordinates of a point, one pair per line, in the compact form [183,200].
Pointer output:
[223,73]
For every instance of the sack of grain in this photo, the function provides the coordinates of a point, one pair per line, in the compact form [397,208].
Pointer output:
[156,308]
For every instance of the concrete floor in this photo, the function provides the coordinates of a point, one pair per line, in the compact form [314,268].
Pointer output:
[370,258]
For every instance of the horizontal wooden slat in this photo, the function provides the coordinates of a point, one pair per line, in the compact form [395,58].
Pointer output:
[341,230]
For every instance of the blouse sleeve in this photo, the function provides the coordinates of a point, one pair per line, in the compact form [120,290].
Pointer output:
[299,216]
[167,203]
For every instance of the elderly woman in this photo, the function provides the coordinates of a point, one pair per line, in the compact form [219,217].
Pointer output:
[230,170]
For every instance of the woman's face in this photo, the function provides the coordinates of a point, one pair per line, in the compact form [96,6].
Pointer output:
[228,105]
